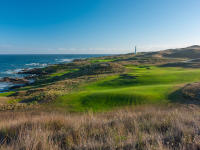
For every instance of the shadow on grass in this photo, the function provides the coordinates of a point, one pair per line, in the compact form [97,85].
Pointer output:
[122,80]
[176,96]
[98,101]
[182,65]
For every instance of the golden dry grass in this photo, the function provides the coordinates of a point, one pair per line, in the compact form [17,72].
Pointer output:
[4,100]
[145,127]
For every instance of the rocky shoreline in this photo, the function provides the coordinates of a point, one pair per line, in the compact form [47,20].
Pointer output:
[15,82]
[29,76]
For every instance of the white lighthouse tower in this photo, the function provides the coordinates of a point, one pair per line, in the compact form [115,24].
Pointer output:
[135,50]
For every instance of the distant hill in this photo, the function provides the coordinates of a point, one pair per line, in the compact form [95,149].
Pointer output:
[192,52]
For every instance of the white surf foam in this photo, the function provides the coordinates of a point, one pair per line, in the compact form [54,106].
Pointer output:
[36,65]
[64,60]
[4,86]
[12,71]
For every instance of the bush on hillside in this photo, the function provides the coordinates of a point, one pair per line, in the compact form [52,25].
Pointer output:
[101,68]
[192,91]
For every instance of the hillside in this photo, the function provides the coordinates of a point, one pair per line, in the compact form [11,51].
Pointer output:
[144,101]
[192,52]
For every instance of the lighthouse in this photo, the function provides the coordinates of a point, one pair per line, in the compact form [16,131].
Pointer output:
[135,50]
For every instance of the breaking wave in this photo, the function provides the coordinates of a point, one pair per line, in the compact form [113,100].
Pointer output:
[36,65]
[64,60]
[12,71]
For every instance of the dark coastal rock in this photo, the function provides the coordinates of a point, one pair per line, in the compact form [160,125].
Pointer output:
[35,71]
[77,60]
[30,77]
[16,86]
[14,80]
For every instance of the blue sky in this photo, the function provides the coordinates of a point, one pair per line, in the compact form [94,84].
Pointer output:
[97,26]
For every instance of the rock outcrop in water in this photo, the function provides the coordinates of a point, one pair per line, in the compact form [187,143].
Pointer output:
[36,71]
[14,80]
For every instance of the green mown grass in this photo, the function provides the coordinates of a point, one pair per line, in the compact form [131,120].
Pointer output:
[61,73]
[6,94]
[101,60]
[144,85]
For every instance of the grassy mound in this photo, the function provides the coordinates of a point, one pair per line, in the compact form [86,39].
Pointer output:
[192,52]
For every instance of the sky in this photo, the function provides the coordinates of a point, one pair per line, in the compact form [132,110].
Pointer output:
[97,26]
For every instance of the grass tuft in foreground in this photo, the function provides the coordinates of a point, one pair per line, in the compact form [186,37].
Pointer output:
[143,128]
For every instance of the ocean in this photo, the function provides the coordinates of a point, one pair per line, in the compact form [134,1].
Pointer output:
[10,65]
